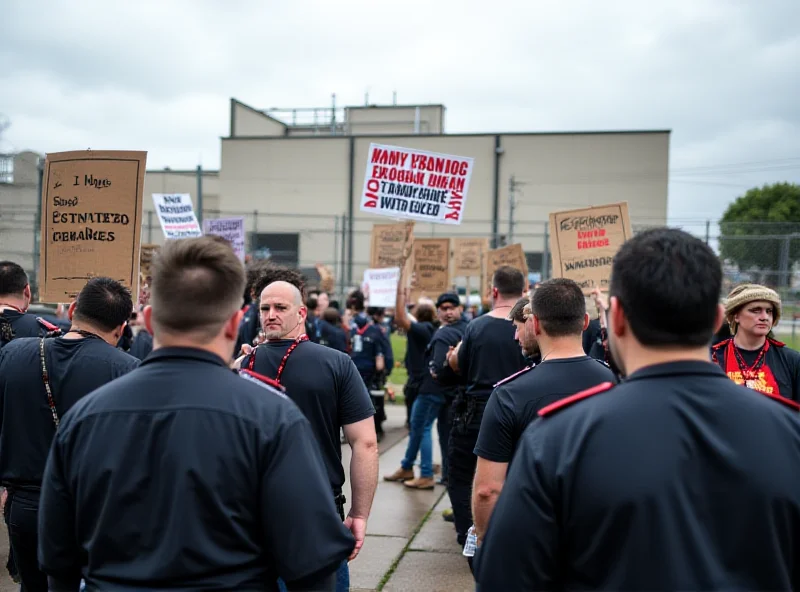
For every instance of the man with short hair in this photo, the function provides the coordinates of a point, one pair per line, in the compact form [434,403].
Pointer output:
[524,329]
[326,386]
[15,298]
[677,479]
[486,355]
[181,474]
[40,381]
[557,321]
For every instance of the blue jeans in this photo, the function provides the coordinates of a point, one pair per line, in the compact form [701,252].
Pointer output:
[342,579]
[423,414]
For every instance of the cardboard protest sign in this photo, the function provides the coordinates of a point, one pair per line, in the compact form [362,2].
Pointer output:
[176,214]
[231,229]
[388,242]
[583,243]
[511,255]
[468,254]
[380,286]
[415,184]
[91,220]
[430,267]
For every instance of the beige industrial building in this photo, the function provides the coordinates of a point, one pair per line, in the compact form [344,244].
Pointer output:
[297,175]
[312,162]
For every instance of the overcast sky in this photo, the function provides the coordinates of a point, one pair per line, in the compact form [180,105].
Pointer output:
[723,75]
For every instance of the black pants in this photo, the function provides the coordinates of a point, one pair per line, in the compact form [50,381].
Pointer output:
[444,422]
[23,516]
[467,416]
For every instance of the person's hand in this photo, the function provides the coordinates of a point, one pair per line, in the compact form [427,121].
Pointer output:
[357,526]
[599,300]
[246,351]
[379,364]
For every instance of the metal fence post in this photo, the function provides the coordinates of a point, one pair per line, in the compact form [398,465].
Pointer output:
[546,252]
[150,227]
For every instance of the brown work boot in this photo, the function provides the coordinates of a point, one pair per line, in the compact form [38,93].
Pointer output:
[400,475]
[420,483]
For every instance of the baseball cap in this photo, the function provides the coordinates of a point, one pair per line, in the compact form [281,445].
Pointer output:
[448,297]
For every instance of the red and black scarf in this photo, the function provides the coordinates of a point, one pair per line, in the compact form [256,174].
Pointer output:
[758,376]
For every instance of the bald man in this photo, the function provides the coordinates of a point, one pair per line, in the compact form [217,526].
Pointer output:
[326,386]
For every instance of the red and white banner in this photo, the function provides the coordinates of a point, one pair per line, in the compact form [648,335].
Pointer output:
[416,184]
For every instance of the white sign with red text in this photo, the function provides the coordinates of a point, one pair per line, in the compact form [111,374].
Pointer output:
[380,286]
[416,184]
[176,214]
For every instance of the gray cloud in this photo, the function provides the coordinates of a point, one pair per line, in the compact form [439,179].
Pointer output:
[724,75]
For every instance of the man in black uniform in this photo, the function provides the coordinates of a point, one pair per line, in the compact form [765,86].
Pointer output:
[326,386]
[678,479]
[182,475]
[558,320]
[486,355]
[15,298]
[40,380]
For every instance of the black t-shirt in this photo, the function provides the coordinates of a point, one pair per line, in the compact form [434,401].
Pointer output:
[488,354]
[419,336]
[333,337]
[515,403]
[784,363]
[445,383]
[184,476]
[75,368]
[326,386]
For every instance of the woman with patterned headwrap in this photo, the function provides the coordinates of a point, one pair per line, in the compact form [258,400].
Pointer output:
[752,357]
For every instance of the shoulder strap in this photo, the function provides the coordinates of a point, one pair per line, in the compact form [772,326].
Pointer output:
[46,379]
[563,403]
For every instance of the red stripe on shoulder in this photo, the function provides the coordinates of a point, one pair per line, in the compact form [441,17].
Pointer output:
[788,402]
[595,390]
[775,342]
[721,344]
[513,376]
[265,379]
[47,325]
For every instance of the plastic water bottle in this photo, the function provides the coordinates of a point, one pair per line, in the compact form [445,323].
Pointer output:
[472,543]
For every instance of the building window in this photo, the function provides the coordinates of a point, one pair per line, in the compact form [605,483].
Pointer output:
[6,169]
[279,247]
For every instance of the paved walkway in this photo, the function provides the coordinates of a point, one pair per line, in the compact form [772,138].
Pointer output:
[409,546]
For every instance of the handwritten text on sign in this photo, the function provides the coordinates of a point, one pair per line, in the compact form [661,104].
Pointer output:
[381,286]
[431,267]
[176,214]
[91,220]
[406,183]
[584,243]
[231,229]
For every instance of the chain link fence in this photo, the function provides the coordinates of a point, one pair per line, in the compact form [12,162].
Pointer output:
[762,252]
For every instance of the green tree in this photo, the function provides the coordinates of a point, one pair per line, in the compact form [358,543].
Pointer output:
[761,231]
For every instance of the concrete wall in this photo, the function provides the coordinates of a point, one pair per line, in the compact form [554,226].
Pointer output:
[371,121]
[18,206]
[248,122]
